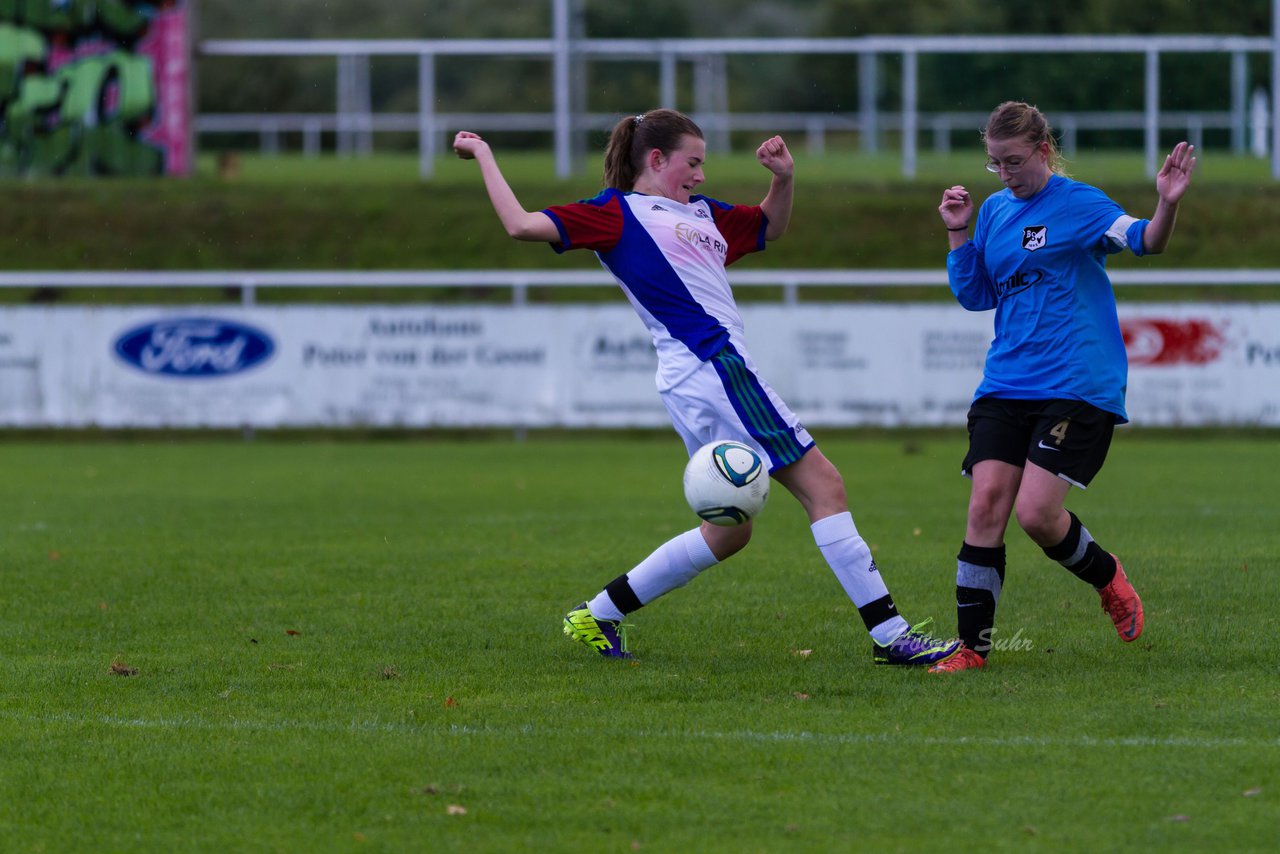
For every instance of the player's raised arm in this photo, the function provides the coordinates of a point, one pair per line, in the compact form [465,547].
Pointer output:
[519,223]
[1172,182]
[774,156]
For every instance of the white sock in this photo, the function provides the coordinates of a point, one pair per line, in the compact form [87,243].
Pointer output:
[850,559]
[673,564]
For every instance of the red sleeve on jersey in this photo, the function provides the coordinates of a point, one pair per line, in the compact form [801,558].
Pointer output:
[743,227]
[594,224]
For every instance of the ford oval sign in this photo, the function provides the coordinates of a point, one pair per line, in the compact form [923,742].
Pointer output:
[196,347]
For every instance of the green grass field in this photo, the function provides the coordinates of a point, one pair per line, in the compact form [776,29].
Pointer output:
[327,213]
[212,644]
[839,165]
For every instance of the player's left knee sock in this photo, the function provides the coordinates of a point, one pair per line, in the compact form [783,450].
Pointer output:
[979,579]
[1082,556]
[673,564]
[850,559]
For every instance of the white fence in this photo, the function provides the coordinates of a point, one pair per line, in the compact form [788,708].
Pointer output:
[520,281]
[353,119]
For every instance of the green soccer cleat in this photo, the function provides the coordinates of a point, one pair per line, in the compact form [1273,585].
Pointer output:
[607,637]
[915,647]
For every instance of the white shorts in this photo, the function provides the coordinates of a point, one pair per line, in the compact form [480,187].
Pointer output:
[726,399]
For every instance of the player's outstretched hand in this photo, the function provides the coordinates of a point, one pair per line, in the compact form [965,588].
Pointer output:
[467,144]
[1174,176]
[774,156]
[956,207]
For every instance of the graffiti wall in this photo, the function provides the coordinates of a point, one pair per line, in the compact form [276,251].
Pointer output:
[94,87]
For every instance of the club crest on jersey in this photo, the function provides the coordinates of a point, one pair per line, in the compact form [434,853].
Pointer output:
[1034,237]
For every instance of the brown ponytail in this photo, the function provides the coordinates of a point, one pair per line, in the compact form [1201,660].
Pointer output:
[1020,120]
[635,136]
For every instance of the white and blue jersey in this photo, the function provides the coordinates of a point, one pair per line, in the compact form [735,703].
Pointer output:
[669,259]
[1041,264]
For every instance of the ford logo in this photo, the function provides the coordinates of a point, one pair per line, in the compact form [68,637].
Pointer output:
[194,347]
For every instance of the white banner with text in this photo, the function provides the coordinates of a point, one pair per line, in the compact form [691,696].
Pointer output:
[573,366]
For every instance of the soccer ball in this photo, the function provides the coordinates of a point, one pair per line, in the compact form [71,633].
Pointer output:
[726,483]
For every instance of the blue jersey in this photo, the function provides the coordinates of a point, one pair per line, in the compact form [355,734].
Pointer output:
[1041,264]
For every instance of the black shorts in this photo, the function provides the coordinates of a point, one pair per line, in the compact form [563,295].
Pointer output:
[1068,437]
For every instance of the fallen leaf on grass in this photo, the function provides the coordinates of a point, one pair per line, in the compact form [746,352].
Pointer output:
[119,668]
[54,555]
[455,809]
[800,695]
[1252,793]
[1179,817]
[803,653]
[292,632]
[389,672]
[450,703]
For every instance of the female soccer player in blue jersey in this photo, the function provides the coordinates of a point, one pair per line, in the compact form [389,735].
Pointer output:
[667,247]
[1053,387]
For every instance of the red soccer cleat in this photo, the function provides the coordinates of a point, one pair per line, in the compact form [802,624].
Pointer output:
[1122,604]
[964,659]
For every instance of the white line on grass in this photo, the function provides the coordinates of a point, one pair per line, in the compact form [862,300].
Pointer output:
[529,731]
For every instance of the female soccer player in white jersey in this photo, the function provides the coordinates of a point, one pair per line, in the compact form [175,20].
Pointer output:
[1054,383]
[668,249]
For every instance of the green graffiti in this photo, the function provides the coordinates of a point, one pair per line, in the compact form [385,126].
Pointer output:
[18,46]
[120,20]
[85,116]
[83,120]
[86,81]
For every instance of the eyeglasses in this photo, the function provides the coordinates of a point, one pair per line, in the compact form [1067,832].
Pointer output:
[1011,166]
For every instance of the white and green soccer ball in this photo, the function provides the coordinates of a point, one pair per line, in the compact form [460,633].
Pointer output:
[726,482]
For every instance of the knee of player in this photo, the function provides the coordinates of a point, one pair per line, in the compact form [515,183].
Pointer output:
[726,540]
[1037,520]
[829,484]
[988,509]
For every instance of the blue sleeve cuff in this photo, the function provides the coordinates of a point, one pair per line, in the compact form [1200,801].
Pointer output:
[1134,237]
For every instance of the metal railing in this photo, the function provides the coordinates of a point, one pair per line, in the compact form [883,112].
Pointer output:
[814,126]
[567,80]
[247,282]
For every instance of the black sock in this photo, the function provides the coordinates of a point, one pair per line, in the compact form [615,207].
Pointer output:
[979,577]
[623,596]
[1082,556]
[878,611]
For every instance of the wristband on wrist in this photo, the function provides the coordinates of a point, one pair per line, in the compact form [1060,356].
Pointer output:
[959,228]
